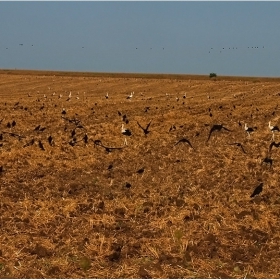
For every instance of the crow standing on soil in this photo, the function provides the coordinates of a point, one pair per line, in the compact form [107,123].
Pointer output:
[277,145]
[41,146]
[257,190]
[50,140]
[140,171]
[268,160]
[85,138]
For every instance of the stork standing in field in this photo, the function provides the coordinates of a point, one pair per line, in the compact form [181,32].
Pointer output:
[69,96]
[273,129]
[107,95]
[125,132]
[131,95]
[249,130]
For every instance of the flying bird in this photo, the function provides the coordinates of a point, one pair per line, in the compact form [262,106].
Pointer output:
[217,127]
[184,140]
[257,190]
[238,145]
[145,130]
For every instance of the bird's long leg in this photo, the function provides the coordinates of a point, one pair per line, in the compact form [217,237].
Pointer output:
[125,141]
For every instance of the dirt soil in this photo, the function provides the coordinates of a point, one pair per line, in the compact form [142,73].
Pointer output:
[75,207]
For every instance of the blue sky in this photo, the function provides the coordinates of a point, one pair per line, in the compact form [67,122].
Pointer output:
[228,38]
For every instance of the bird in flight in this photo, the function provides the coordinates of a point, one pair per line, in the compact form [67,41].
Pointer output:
[257,190]
[184,140]
[217,127]
[145,130]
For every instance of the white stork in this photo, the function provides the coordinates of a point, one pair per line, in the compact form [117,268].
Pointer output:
[273,129]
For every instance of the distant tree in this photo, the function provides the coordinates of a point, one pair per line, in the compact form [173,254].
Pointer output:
[212,75]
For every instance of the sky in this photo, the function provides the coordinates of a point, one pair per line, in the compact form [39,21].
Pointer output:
[184,37]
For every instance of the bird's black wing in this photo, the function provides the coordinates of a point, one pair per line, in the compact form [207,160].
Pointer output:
[185,141]
[214,127]
[148,125]
[226,129]
[140,126]
[242,149]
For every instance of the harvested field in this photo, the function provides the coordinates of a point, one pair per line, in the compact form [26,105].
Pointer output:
[73,207]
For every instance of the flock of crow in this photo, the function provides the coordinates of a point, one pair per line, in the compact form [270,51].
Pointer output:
[79,134]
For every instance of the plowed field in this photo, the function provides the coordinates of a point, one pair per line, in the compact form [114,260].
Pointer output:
[73,206]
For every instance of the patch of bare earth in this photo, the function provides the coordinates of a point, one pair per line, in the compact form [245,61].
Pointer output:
[152,209]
